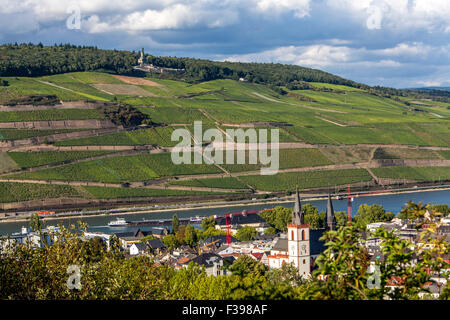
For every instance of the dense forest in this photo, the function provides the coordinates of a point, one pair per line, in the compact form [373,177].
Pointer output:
[38,60]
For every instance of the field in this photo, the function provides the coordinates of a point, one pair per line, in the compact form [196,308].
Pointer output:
[174,115]
[393,153]
[343,125]
[158,135]
[6,163]
[123,89]
[289,158]
[35,159]
[16,134]
[120,169]
[349,154]
[112,193]
[225,183]
[414,173]
[445,154]
[15,192]
[52,115]
[304,180]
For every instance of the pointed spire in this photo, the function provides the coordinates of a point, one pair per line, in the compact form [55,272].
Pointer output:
[297,215]
[330,218]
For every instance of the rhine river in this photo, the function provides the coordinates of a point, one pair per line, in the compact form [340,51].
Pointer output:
[390,202]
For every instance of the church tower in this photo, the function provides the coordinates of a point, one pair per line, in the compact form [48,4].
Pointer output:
[298,240]
[330,218]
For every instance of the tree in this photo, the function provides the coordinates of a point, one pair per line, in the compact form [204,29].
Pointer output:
[210,232]
[288,274]
[312,216]
[369,214]
[270,231]
[414,211]
[170,241]
[190,237]
[278,217]
[94,248]
[147,238]
[208,222]
[342,267]
[341,218]
[175,223]
[114,244]
[35,222]
[246,265]
[246,233]
[441,208]
[180,235]
[398,266]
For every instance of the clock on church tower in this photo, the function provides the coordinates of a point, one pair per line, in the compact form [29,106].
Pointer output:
[298,240]
[298,244]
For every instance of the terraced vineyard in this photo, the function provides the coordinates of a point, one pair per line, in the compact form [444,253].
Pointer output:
[158,136]
[51,115]
[119,169]
[415,173]
[17,134]
[307,180]
[226,183]
[342,130]
[36,159]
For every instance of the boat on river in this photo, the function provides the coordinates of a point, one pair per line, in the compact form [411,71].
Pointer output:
[119,222]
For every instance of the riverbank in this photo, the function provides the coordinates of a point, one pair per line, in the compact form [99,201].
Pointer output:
[221,204]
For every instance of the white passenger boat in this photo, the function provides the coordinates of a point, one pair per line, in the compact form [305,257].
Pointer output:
[119,222]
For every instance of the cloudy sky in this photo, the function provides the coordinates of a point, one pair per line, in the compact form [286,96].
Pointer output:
[398,43]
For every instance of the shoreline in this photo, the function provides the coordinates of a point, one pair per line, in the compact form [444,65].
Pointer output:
[194,206]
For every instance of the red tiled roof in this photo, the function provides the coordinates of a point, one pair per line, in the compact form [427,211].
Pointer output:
[183,260]
[257,255]
[278,256]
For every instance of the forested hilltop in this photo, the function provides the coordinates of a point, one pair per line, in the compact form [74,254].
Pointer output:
[39,60]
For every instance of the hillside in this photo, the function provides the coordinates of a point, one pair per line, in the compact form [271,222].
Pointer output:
[38,60]
[93,152]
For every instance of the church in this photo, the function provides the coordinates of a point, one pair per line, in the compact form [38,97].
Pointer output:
[302,245]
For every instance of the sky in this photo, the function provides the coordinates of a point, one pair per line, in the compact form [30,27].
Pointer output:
[395,43]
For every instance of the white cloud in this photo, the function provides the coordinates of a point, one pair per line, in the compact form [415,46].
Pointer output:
[315,56]
[132,15]
[430,15]
[414,49]
[429,83]
[299,7]
[326,56]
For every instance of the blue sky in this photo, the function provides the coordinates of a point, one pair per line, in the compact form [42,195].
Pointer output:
[397,43]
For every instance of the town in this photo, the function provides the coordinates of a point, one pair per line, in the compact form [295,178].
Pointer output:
[247,235]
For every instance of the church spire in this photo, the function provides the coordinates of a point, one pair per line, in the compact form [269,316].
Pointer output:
[330,218]
[297,215]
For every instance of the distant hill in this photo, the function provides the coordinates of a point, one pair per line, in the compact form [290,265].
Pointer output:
[39,60]
[433,88]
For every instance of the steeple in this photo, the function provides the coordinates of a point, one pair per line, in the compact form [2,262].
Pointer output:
[297,215]
[330,219]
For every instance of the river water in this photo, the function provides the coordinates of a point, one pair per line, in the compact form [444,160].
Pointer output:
[391,202]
